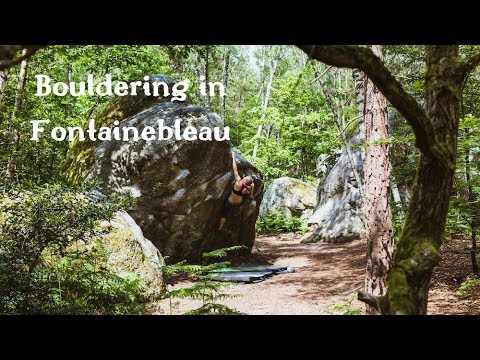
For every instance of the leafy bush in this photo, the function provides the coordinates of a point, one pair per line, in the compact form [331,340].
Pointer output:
[276,222]
[345,307]
[52,260]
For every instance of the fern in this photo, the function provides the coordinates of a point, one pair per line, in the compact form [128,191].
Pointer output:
[276,222]
[222,253]
[204,289]
[214,309]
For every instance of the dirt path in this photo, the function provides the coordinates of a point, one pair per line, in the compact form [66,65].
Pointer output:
[326,279]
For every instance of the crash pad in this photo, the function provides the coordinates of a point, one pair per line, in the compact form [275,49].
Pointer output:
[248,272]
[239,276]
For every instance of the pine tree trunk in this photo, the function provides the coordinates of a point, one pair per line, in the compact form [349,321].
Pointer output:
[378,218]
[226,64]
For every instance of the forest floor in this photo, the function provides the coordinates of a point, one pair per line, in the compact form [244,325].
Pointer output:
[326,280]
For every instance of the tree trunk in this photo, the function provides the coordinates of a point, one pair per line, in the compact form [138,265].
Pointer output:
[198,73]
[3,83]
[471,200]
[266,100]
[11,170]
[226,64]
[378,218]
[359,81]
[22,77]
[418,249]
[397,199]
[207,89]
[473,251]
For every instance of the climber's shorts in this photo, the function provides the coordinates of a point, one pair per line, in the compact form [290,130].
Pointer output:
[228,207]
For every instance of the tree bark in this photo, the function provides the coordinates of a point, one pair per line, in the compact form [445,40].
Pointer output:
[471,200]
[198,73]
[11,170]
[397,199]
[359,82]
[3,83]
[22,78]
[378,217]
[207,80]
[436,131]
[226,64]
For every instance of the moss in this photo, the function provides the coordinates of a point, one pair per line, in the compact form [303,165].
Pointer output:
[79,159]
[415,260]
[125,255]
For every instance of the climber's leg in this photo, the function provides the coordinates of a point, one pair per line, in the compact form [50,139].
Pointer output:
[226,211]
[222,222]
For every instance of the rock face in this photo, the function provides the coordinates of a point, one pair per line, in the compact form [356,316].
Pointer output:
[339,215]
[291,196]
[180,186]
[129,251]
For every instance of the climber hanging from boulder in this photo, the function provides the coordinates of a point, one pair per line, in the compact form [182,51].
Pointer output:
[242,189]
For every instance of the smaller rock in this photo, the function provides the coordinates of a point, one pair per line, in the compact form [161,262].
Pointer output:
[291,196]
[129,251]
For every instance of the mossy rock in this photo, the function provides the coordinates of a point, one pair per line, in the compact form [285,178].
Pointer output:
[80,160]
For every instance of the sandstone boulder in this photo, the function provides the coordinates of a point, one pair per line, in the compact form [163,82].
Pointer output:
[339,214]
[290,196]
[180,186]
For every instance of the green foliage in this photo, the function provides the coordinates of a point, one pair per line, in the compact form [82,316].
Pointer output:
[297,125]
[468,286]
[464,214]
[222,253]
[345,307]
[52,260]
[204,289]
[41,161]
[276,222]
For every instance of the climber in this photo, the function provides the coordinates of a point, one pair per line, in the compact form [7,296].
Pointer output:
[241,190]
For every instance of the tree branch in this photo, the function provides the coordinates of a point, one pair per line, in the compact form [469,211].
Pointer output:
[7,63]
[356,57]
[373,301]
[471,63]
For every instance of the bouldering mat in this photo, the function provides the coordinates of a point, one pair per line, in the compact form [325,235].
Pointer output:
[276,269]
[240,276]
[248,272]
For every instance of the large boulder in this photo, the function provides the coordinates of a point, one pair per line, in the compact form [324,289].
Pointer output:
[339,215]
[290,196]
[180,186]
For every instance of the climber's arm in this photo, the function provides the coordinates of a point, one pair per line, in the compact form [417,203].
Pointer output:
[235,170]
